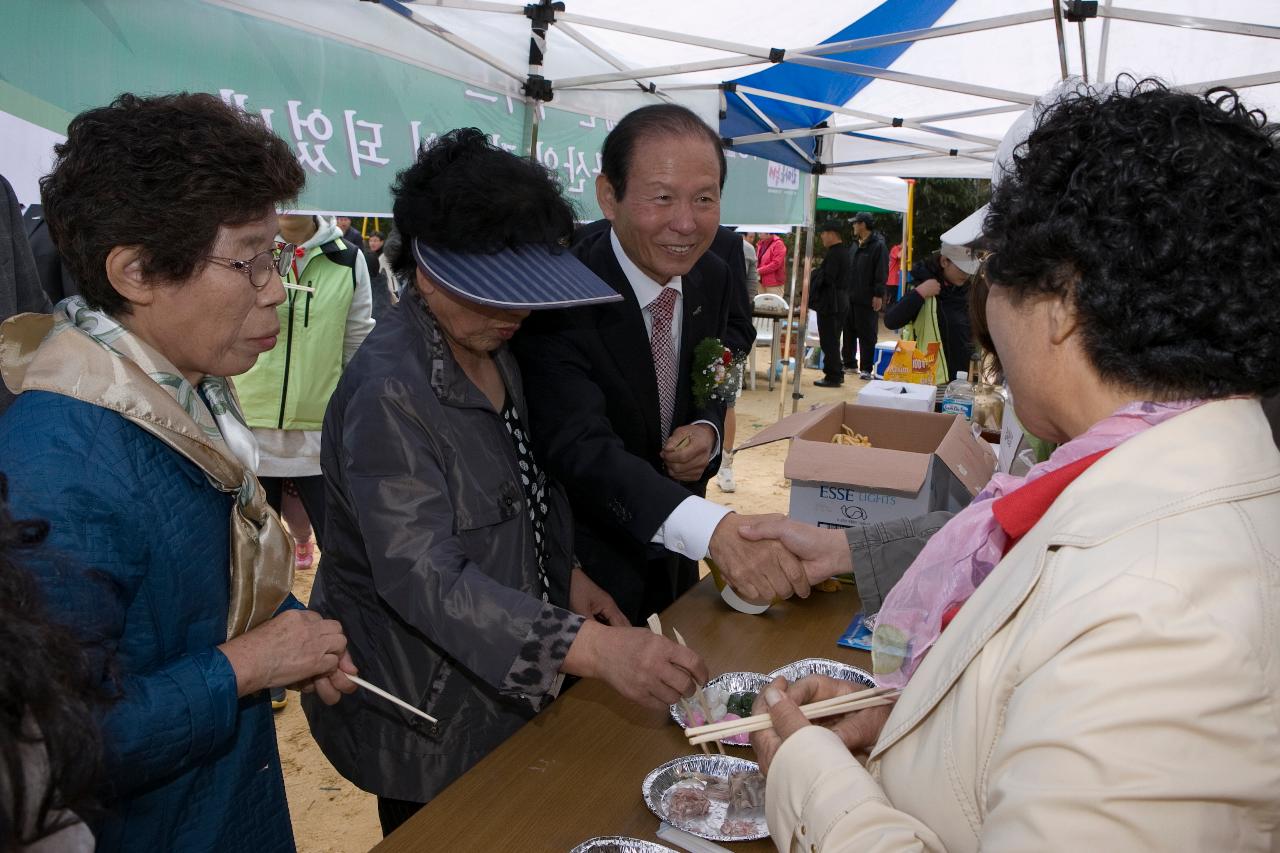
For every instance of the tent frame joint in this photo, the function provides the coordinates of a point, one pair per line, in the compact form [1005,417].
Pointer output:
[777,54]
[544,12]
[1078,11]
[538,88]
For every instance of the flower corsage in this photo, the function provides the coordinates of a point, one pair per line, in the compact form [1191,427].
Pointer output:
[716,373]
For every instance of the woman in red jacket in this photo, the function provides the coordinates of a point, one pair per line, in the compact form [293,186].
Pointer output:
[771,253]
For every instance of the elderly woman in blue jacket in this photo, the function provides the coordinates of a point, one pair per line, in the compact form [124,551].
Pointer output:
[127,437]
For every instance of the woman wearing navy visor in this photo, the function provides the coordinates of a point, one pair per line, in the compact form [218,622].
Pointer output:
[449,552]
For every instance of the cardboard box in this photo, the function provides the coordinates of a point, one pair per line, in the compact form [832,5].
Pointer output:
[898,395]
[918,462]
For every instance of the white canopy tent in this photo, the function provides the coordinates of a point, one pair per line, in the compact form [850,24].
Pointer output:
[926,100]
[903,88]
[899,88]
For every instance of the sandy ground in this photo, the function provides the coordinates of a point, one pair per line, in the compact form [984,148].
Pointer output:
[330,815]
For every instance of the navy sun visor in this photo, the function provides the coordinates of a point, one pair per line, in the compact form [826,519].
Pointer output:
[529,277]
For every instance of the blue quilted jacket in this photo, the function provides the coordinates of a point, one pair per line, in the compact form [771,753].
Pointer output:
[190,767]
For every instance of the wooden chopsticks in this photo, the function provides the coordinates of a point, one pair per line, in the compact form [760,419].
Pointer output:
[395,700]
[655,625]
[698,735]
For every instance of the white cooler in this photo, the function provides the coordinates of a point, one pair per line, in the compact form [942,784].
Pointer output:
[897,395]
[884,354]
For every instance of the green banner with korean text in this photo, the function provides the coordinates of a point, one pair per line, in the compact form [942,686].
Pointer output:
[355,117]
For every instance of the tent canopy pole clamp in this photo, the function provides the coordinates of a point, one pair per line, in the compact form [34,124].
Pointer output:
[1081,10]
[538,87]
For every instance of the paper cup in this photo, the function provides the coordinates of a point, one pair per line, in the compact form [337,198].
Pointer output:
[730,597]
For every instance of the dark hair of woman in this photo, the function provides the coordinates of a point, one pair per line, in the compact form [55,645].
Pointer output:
[654,120]
[466,194]
[47,701]
[117,182]
[1153,212]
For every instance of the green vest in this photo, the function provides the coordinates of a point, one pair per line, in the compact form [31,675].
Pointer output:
[289,386]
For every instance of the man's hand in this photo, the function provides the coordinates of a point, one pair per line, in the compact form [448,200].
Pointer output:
[757,571]
[645,668]
[858,730]
[876,303]
[688,451]
[823,552]
[589,600]
[929,288]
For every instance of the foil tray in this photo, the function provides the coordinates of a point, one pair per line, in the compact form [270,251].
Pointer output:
[619,844]
[824,666]
[733,682]
[662,781]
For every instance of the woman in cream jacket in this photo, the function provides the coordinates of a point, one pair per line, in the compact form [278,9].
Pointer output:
[1110,680]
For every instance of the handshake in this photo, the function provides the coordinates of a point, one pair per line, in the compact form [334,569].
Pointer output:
[764,557]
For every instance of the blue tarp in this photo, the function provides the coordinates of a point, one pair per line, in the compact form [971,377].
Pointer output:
[819,84]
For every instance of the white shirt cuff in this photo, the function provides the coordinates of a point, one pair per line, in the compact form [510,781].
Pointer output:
[715,451]
[687,531]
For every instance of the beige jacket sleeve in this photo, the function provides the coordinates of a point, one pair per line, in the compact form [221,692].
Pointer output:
[1134,721]
[819,798]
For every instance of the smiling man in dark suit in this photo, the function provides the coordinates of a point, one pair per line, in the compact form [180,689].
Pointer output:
[610,387]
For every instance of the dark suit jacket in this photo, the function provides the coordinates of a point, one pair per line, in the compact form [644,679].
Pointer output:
[19,284]
[740,333]
[57,282]
[593,409]
[832,281]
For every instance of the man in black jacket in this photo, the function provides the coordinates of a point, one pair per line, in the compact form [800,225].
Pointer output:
[611,395]
[829,296]
[870,260]
[19,284]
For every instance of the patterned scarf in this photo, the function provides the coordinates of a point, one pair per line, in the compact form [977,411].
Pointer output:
[85,354]
[964,553]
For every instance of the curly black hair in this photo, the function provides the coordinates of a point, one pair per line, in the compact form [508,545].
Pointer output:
[653,120]
[164,173]
[466,194]
[1155,212]
[47,700]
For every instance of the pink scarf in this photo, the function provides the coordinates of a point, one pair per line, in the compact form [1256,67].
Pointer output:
[962,554]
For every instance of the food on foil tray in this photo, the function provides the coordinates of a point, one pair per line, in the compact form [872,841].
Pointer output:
[725,706]
[691,798]
[687,803]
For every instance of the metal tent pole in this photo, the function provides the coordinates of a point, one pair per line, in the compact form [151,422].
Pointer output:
[1062,40]
[786,327]
[812,215]
[908,226]
[536,87]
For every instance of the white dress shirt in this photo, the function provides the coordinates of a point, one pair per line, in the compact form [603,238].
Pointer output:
[687,530]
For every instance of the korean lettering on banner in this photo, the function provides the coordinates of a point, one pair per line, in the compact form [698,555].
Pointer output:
[232,98]
[578,173]
[363,150]
[311,153]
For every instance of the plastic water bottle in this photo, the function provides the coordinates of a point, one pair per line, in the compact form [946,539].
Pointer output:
[958,398]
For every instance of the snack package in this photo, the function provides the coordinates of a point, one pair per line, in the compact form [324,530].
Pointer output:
[912,365]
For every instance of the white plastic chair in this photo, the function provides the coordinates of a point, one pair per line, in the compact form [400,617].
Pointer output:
[765,332]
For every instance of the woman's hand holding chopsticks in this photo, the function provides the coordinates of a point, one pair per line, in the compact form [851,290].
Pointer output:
[858,730]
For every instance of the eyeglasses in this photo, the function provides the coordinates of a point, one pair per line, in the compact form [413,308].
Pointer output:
[262,266]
